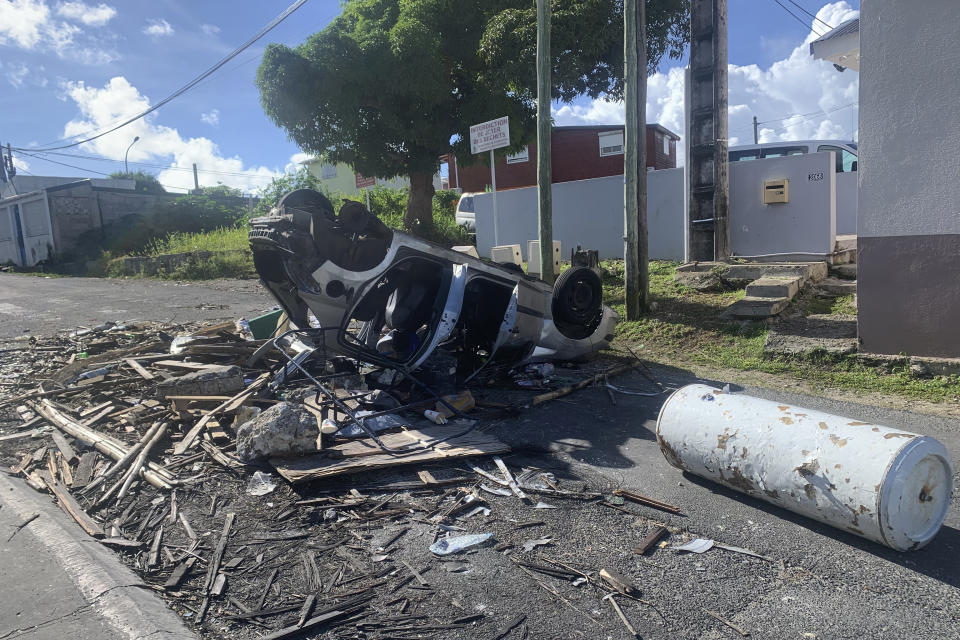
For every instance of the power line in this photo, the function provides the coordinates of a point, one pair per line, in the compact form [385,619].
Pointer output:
[798,18]
[146,164]
[810,14]
[824,113]
[195,81]
[64,164]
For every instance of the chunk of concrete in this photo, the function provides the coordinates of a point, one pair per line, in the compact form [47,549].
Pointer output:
[838,287]
[285,429]
[212,381]
[757,308]
[774,287]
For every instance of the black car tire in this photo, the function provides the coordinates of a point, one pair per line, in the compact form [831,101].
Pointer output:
[577,296]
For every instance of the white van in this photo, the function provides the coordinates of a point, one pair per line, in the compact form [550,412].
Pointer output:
[466,215]
[845,152]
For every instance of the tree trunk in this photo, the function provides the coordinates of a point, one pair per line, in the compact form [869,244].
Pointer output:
[420,201]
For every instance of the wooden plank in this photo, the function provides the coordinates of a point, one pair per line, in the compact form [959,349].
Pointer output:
[89,411]
[364,455]
[213,565]
[65,449]
[187,366]
[136,366]
[84,472]
[100,415]
[69,504]
[650,539]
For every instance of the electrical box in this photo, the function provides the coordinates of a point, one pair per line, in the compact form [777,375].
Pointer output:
[775,191]
[533,257]
[506,253]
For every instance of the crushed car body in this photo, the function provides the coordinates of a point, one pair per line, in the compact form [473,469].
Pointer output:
[396,300]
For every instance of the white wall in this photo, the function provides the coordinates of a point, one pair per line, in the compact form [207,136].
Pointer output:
[588,213]
[847,188]
[8,241]
[805,224]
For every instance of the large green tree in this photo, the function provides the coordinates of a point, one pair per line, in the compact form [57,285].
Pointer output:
[388,83]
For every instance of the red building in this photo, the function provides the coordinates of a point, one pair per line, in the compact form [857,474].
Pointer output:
[579,153]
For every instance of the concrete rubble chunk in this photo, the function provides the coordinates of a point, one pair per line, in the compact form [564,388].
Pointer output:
[212,381]
[284,429]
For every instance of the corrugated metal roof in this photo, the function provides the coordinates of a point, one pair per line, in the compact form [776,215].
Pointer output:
[850,26]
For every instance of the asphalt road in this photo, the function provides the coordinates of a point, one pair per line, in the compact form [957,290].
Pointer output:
[30,304]
[832,584]
[824,584]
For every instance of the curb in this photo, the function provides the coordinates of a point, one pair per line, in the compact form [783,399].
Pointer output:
[113,591]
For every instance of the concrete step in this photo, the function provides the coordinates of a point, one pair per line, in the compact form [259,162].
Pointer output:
[845,243]
[774,287]
[838,286]
[757,308]
[845,271]
[703,275]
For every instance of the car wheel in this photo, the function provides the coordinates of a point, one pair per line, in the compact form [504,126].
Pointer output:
[577,296]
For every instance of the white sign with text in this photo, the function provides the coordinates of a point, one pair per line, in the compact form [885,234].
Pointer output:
[490,135]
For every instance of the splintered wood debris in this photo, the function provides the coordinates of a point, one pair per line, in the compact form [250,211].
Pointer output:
[156,477]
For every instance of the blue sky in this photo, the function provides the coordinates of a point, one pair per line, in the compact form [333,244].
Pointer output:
[67,67]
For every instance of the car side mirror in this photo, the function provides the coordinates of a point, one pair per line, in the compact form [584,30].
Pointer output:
[853,167]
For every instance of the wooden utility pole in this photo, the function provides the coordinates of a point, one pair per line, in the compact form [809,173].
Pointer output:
[634,172]
[544,132]
[756,138]
[709,195]
[643,251]
[196,180]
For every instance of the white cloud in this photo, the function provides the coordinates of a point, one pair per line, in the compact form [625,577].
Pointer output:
[212,118]
[118,99]
[296,162]
[210,29]
[93,16]
[820,101]
[28,24]
[15,73]
[20,164]
[158,28]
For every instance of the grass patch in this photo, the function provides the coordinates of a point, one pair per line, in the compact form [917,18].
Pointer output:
[222,239]
[685,327]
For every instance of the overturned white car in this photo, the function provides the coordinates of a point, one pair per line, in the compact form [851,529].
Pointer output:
[394,299]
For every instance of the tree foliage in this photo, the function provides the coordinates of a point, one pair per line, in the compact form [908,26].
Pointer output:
[387,83]
[145,182]
[282,185]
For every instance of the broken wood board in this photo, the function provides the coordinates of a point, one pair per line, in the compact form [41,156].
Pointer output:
[364,455]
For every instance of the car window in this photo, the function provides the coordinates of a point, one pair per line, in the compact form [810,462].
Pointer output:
[466,205]
[749,154]
[779,152]
[844,159]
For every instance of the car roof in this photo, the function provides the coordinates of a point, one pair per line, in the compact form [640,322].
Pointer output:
[794,143]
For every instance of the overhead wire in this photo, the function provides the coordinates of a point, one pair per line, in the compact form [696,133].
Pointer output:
[70,166]
[798,18]
[192,83]
[810,14]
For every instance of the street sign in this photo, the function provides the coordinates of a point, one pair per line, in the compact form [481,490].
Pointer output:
[363,183]
[490,135]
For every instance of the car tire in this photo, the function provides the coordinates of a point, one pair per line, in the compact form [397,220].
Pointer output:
[577,296]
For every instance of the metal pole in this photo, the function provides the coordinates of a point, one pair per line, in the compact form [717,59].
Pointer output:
[366,192]
[125,168]
[196,180]
[630,166]
[756,138]
[643,255]
[544,133]
[493,180]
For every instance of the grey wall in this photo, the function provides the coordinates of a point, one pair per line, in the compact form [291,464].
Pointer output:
[588,213]
[847,203]
[908,221]
[805,224]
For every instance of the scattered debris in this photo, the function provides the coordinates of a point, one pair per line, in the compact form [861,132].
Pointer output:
[697,545]
[260,484]
[282,430]
[459,544]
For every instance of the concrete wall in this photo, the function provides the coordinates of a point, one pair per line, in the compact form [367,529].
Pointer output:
[847,189]
[804,225]
[8,240]
[588,213]
[908,223]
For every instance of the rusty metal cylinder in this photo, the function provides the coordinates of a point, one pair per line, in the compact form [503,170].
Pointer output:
[880,483]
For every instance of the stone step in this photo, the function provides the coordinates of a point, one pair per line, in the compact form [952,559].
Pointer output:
[774,287]
[701,275]
[845,271]
[838,286]
[757,308]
